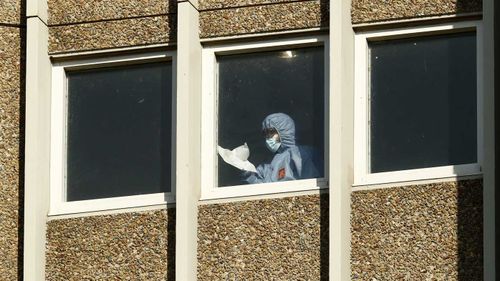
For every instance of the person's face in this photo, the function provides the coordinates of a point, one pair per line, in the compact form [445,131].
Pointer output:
[271,133]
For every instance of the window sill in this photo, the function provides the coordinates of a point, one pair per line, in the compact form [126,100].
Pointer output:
[264,189]
[417,175]
[107,204]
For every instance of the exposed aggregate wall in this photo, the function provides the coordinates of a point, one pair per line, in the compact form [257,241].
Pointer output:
[273,239]
[12,65]
[383,10]
[402,233]
[76,11]
[427,232]
[12,11]
[430,232]
[129,246]
[97,25]
[219,18]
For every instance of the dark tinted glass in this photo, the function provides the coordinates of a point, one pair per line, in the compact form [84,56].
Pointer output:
[423,102]
[119,131]
[252,86]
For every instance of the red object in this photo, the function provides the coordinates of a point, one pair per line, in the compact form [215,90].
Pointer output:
[281,173]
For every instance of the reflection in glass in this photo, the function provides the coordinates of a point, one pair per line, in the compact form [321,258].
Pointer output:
[423,102]
[119,131]
[252,89]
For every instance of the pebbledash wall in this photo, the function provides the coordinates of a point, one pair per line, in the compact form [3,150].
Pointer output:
[128,246]
[425,232]
[431,231]
[418,232]
[96,25]
[12,50]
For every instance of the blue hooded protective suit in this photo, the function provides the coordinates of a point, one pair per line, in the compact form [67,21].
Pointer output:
[291,162]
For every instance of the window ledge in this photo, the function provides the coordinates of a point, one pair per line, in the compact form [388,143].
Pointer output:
[417,176]
[112,204]
[264,189]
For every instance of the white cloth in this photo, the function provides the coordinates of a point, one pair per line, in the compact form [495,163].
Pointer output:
[237,157]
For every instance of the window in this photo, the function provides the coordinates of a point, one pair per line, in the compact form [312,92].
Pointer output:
[253,92]
[418,102]
[112,129]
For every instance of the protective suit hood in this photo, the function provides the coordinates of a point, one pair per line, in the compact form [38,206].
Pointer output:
[284,125]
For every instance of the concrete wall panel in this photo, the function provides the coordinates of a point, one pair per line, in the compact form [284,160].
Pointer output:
[384,10]
[219,4]
[263,18]
[130,246]
[11,146]
[76,11]
[112,34]
[428,232]
[274,239]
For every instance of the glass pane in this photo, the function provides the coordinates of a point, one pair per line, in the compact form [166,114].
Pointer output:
[423,102]
[254,86]
[119,131]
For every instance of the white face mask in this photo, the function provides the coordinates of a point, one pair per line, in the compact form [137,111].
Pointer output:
[272,144]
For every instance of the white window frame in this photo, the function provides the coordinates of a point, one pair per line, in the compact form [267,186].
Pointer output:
[209,157]
[362,176]
[58,203]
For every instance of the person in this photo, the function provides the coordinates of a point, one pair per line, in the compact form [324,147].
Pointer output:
[290,161]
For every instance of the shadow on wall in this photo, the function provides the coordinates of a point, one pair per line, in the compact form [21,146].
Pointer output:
[324,200]
[497,131]
[324,236]
[22,111]
[468,6]
[172,34]
[325,13]
[171,244]
[469,231]
[172,20]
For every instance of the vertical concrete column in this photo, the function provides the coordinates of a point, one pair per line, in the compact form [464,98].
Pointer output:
[341,130]
[487,75]
[188,140]
[37,145]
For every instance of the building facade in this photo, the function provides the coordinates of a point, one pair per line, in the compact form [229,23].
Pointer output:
[113,115]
